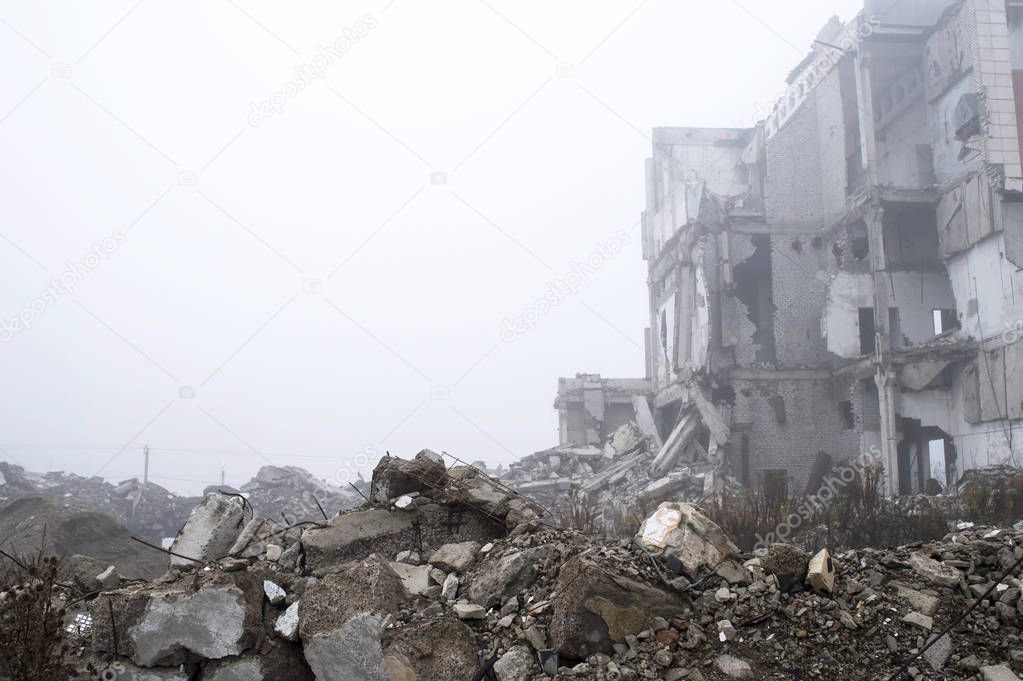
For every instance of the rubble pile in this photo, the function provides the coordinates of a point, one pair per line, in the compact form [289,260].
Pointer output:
[295,492]
[449,575]
[154,514]
[631,470]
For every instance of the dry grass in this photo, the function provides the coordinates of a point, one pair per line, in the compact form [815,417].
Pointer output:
[32,642]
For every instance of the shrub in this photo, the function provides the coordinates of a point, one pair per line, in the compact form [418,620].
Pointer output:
[32,643]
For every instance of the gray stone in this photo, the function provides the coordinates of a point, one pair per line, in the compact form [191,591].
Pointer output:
[274,593]
[469,611]
[252,541]
[937,655]
[415,578]
[210,531]
[125,671]
[449,591]
[286,625]
[507,576]
[518,664]
[351,652]
[920,602]
[455,557]
[242,669]
[734,573]
[394,477]
[919,620]
[274,552]
[177,623]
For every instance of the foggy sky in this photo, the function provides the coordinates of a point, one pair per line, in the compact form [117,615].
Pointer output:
[318,282]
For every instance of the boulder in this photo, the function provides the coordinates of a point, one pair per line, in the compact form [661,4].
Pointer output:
[681,530]
[342,618]
[595,608]
[455,557]
[394,477]
[210,531]
[478,491]
[180,622]
[431,650]
[357,534]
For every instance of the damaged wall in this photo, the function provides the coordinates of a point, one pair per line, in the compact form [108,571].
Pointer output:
[988,289]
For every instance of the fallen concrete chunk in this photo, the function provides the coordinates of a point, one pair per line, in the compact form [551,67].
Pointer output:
[394,477]
[431,650]
[469,611]
[933,571]
[495,581]
[518,664]
[252,541]
[177,623]
[919,620]
[680,529]
[937,655]
[455,557]
[821,572]
[342,619]
[109,578]
[415,578]
[210,531]
[356,535]
[920,602]
[595,609]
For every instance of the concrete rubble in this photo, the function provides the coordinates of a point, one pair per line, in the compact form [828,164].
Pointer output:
[525,601]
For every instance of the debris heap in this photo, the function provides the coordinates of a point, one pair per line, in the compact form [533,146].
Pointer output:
[448,575]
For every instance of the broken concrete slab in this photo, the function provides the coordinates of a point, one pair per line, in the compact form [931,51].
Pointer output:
[933,571]
[356,534]
[645,421]
[919,601]
[210,531]
[252,541]
[441,648]
[494,581]
[286,625]
[342,618]
[415,578]
[180,622]
[680,529]
[999,672]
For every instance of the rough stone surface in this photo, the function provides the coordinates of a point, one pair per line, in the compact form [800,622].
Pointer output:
[286,625]
[592,611]
[733,667]
[433,649]
[496,580]
[999,672]
[415,578]
[921,602]
[341,620]
[211,530]
[518,664]
[455,557]
[786,559]
[394,477]
[177,623]
[355,535]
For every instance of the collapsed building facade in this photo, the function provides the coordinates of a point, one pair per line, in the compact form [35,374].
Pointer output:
[844,276]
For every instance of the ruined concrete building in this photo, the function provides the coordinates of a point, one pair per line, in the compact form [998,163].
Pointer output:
[844,275]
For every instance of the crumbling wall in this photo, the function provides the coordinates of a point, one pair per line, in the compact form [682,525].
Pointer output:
[788,423]
[806,169]
[800,293]
[988,289]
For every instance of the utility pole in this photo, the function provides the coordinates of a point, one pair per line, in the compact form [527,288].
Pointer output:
[221,475]
[145,474]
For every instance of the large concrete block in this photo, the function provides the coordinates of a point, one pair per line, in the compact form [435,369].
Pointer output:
[680,529]
[432,649]
[180,622]
[210,531]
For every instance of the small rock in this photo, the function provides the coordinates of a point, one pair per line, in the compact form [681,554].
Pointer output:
[274,593]
[469,611]
[734,668]
[274,552]
[919,620]
[287,624]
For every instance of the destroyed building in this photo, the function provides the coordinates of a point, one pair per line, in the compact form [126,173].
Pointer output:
[844,276]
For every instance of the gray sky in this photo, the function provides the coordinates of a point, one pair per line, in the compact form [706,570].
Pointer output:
[332,276]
